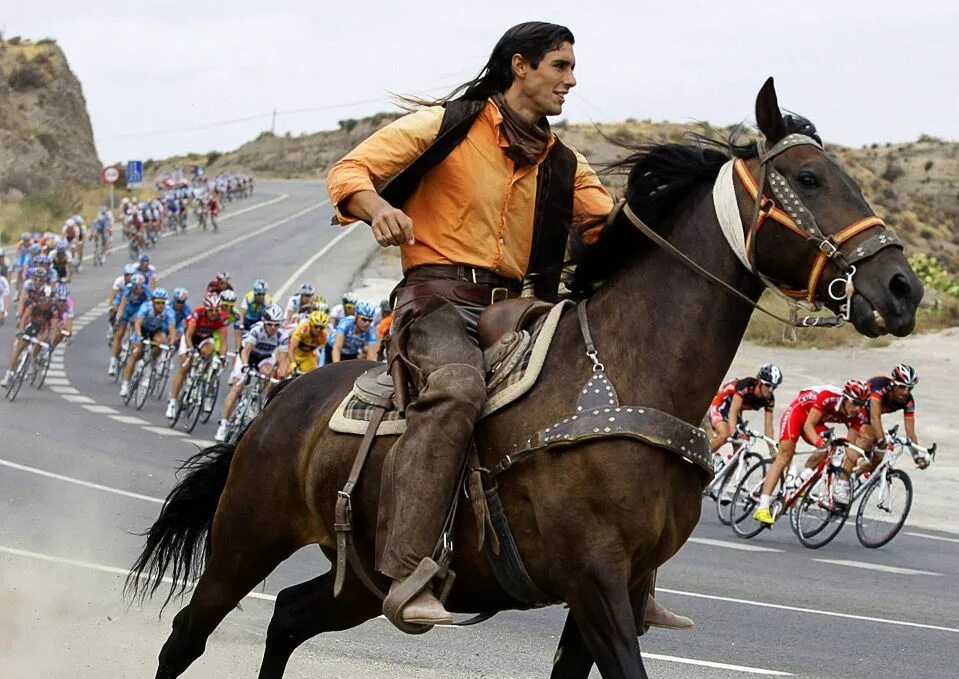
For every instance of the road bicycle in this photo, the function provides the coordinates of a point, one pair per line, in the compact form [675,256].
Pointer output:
[249,404]
[146,371]
[731,468]
[885,494]
[198,394]
[34,359]
[816,516]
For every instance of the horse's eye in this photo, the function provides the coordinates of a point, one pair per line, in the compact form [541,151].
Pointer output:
[808,179]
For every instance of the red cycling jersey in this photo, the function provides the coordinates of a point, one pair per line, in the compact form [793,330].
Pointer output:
[203,325]
[828,401]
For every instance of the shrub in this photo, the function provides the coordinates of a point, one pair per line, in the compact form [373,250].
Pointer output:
[15,40]
[59,203]
[893,172]
[212,157]
[49,142]
[928,165]
[25,77]
[47,41]
[933,274]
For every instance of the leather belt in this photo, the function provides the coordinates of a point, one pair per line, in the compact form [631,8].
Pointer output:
[458,292]
[461,272]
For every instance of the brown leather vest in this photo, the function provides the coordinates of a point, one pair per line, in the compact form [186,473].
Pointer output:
[552,214]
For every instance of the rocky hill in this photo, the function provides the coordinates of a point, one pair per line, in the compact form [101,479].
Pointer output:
[46,140]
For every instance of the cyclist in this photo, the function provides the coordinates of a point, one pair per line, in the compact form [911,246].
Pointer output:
[383,329]
[306,340]
[61,261]
[37,278]
[346,308]
[181,312]
[887,395]
[807,416]
[748,393]
[203,328]
[133,296]
[35,321]
[103,229]
[255,303]
[148,270]
[228,306]
[299,303]
[256,352]
[4,269]
[154,321]
[220,283]
[355,336]
[65,310]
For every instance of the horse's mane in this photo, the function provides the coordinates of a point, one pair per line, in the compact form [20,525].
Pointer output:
[661,178]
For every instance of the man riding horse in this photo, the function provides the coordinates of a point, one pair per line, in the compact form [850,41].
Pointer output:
[483,200]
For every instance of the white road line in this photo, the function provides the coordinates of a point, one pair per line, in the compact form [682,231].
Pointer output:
[163,431]
[932,537]
[876,567]
[729,544]
[128,419]
[716,665]
[102,410]
[56,372]
[87,484]
[58,381]
[800,609]
[202,443]
[308,263]
[56,389]
[113,570]
[74,398]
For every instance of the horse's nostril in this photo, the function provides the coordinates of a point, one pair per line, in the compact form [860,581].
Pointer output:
[899,286]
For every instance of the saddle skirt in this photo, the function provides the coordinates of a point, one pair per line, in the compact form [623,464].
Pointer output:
[513,365]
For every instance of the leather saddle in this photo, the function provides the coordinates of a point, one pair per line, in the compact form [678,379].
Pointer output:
[502,336]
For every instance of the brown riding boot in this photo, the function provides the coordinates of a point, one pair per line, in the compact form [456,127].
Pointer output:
[423,609]
[657,616]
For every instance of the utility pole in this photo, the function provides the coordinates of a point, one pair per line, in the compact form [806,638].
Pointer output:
[273,124]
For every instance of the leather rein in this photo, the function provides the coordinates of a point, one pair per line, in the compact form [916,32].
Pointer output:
[797,218]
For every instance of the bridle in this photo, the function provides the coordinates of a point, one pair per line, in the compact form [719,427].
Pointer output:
[794,216]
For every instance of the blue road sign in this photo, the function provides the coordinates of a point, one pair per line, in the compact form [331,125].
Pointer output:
[134,171]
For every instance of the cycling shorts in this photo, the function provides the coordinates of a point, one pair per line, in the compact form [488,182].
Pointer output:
[183,349]
[305,362]
[258,361]
[792,423]
[717,415]
[134,337]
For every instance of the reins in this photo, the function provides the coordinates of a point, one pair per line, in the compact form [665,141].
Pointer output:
[797,218]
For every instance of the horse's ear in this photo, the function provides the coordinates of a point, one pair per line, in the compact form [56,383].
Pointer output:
[768,117]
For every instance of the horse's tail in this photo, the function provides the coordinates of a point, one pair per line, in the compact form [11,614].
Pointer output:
[179,540]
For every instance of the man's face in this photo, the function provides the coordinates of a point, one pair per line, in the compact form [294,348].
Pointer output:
[900,393]
[271,328]
[765,390]
[158,306]
[850,407]
[547,85]
[363,322]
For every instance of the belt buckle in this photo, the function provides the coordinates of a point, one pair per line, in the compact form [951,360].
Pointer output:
[498,295]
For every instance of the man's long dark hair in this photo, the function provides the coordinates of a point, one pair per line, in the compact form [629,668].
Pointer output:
[532,40]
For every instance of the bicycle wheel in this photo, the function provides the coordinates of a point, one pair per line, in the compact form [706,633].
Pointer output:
[884,509]
[160,379]
[194,404]
[210,394]
[746,500]
[43,367]
[181,401]
[122,359]
[144,385]
[19,375]
[724,494]
[817,518]
[134,382]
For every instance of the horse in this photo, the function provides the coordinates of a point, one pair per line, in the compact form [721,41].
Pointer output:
[593,522]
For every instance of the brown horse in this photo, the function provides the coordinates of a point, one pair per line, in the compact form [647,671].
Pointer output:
[593,521]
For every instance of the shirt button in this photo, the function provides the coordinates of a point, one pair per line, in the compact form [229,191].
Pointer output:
[501,241]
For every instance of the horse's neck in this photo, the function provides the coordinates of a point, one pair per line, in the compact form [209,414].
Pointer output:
[665,334]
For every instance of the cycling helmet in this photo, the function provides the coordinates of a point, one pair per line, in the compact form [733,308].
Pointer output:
[273,314]
[46,292]
[319,304]
[856,391]
[144,258]
[78,219]
[61,246]
[129,269]
[34,248]
[365,310]
[223,276]
[138,279]
[71,221]
[770,374]
[227,297]
[180,295]
[385,307]
[349,298]
[62,291]
[211,301]
[260,286]
[160,293]
[319,319]
[25,236]
[905,375]
[306,289]
[37,272]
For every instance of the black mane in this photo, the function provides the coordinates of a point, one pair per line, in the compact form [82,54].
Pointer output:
[661,178]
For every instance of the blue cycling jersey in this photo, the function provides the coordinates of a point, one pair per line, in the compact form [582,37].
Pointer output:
[181,315]
[153,322]
[353,343]
[134,300]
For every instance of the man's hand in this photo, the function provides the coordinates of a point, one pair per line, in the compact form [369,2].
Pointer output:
[391,226]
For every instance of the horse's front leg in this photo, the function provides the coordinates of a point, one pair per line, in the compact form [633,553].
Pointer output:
[601,610]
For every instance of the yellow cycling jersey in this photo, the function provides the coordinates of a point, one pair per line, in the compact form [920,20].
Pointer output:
[305,339]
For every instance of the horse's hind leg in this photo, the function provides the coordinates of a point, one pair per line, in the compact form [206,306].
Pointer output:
[227,579]
[308,609]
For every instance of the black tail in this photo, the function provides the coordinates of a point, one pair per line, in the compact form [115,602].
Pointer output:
[179,540]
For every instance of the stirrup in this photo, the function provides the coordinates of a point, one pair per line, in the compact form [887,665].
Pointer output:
[402,594]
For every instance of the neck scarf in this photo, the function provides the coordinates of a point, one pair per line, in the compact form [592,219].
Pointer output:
[526,142]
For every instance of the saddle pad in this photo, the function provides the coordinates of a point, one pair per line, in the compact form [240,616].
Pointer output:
[352,414]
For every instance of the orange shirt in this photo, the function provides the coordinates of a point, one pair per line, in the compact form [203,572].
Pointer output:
[383,327]
[474,208]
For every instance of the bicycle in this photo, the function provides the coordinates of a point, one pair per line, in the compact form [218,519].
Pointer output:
[812,506]
[27,364]
[141,382]
[886,494]
[212,392]
[249,404]
[732,468]
[191,394]
[166,360]
[122,358]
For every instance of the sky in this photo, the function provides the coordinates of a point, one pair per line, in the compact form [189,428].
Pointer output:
[167,78]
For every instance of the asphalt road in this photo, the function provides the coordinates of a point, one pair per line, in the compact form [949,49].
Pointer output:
[79,474]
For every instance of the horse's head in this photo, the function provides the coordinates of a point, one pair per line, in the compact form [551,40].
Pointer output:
[813,234]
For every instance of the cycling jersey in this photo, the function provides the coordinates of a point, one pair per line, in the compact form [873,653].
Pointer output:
[60,262]
[181,315]
[748,389]
[880,388]
[353,343]
[153,322]
[39,319]
[205,327]
[827,400]
[293,306]
[262,342]
[253,310]
[134,300]
[65,309]
[149,273]
[306,339]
